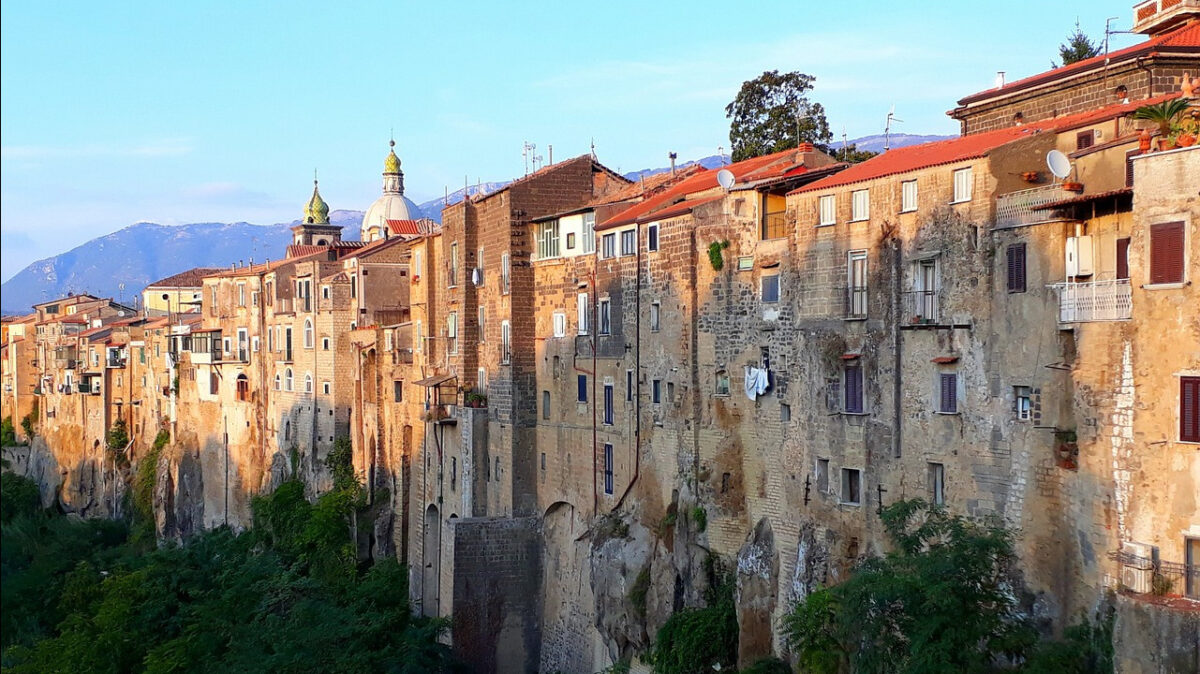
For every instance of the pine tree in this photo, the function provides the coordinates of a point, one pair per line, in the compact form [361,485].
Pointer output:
[1078,47]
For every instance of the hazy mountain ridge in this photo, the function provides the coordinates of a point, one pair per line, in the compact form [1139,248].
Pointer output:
[142,253]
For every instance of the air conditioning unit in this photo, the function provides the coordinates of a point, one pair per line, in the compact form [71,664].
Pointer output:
[1079,257]
[1137,568]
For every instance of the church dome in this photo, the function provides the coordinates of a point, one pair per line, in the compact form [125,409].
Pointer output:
[392,204]
[316,211]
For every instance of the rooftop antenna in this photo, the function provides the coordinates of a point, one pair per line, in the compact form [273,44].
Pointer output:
[845,143]
[551,148]
[672,156]
[887,129]
[527,151]
[593,147]
[801,115]
[721,153]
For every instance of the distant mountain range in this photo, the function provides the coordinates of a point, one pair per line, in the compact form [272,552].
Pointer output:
[120,264]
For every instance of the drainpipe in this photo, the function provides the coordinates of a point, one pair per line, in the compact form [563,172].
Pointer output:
[897,343]
[595,326]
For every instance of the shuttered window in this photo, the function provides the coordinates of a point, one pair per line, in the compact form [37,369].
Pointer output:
[948,393]
[1016,268]
[854,388]
[1166,253]
[1085,139]
[1123,258]
[1189,409]
[1129,167]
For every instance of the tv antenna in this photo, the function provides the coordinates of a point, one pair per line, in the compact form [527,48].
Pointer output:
[887,128]
[845,143]
[528,151]
[721,154]
[801,115]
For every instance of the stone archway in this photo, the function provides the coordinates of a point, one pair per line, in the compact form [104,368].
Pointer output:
[431,562]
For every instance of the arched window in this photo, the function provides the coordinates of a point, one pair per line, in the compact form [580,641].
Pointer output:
[308,382]
[243,388]
[287,379]
[287,430]
[277,381]
[308,333]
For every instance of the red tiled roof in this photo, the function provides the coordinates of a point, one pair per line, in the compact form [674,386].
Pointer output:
[1184,39]
[963,148]
[766,166]
[1082,199]
[411,228]
[185,279]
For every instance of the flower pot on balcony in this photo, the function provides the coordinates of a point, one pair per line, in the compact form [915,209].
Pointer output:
[1185,140]
[1072,186]
[1031,176]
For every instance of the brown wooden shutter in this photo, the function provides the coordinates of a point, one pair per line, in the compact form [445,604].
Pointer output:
[1015,254]
[949,392]
[1129,167]
[1123,258]
[854,392]
[1166,252]
[1189,409]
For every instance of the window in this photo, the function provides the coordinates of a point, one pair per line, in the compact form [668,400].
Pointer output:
[453,473]
[851,486]
[241,288]
[398,391]
[1166,252]
[546,405]
[570,240]
[253,344]
[656,391]
[821,475]
[655,314]
[581,308]
[416,264]
[308,333]
[773,215]
[479,259]
[652,237]
[924,307]
[481,381]
[608,468]
[722,384]
[505,274]
[947,392]
[308,382]
[908,196]
[560,324]
[608,404]
[324,343]
[1015,258]
[828,210]
[608,246]
[325,387]
[856,282]
[481,326]
[243,345]
[214,384]
[937,484]
[324,292]
[785,412]
[418,337]
[629,242]
[277,381]
[1129,166]
[452,280]
[452,332]
[963,182]
[225,346]
[387,341]
[605,316]
[505,343]
[271,339]
[1084,140]
[1189,409]
[547,240]
[860,205]
[769,286]
[1023,403]
[852,387]
[581,385]
[589,232]
[288,381]
[628,386]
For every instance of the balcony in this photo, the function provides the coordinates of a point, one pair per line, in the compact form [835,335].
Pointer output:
[774,225]
[855,298]
[921,307]
[1017,209]
[1094,301]
[1158,15]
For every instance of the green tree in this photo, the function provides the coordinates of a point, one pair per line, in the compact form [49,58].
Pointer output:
[697,640]
[1078,47]
[772,113]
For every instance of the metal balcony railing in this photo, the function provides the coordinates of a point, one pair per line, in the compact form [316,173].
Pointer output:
[1094,301]
[1147,575]
[1017,208]
[774,225]
[921,307]
[855,301]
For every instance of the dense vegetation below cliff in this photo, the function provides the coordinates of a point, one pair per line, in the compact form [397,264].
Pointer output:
[286,596]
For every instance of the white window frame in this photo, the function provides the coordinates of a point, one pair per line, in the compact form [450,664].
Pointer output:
[582,310]
[608,246]
[505,343]
[418,341]
[589,232]
[936,478]
[560,324]
[856,284]
[860,205]
[452,333]
[827,210]
[481,381]
[547,240]
[309,339]
[605,317]
[964,185]
[908,196]
[628,242]
[505,274]
[655,316]
[652,237]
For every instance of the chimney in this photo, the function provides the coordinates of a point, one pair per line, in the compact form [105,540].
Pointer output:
[999,79]
[805,147]
[673,156]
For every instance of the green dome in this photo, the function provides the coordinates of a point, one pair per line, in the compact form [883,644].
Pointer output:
[316,211]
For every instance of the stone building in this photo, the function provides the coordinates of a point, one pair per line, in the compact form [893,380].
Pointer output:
[1151,68]
[178,293]
[18,380]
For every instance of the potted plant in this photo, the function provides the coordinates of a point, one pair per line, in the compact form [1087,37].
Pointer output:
[1162,114]
[1072,186]
[1066,449]
[1188,129]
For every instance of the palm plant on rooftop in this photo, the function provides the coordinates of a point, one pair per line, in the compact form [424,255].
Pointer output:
[1163,114]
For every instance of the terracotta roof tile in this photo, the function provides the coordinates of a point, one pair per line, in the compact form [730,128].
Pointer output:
[185,279]
[1186,38]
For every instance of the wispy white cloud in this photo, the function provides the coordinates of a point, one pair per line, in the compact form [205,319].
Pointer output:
[167,147]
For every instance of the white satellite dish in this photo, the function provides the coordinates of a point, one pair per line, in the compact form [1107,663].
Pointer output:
[725,179]
[1058,163]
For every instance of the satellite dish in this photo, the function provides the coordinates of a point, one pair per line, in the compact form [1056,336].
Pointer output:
[725,179]
[1059,165]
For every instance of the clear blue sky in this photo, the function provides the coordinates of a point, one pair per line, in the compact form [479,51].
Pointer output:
[178,112]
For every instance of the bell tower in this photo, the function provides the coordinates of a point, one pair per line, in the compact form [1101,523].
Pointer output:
[314,228]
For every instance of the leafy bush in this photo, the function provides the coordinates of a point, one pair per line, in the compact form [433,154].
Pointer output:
[768,666]
[638,591]
[700,639]
[8,432]
[700,517]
